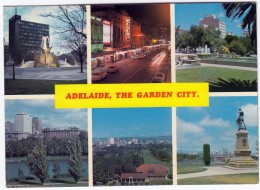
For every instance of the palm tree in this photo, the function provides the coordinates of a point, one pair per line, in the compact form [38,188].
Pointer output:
[246,10]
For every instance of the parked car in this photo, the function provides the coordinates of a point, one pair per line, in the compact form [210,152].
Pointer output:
[112,69]
[158,78]
[99,75]
[138,56]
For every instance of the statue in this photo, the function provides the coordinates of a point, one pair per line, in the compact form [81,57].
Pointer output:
[240,120]
[46,59]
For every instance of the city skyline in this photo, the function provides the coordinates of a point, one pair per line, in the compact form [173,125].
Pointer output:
[216,124]
[45,111]
[131,122]
[189,14]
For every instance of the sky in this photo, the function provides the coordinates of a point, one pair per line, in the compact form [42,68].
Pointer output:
[131,122]
[216,124]
[33,14]
[45,111]
[189,14]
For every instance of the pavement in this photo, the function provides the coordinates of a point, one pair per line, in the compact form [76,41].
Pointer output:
[217,170]
[40,73]
[189,66]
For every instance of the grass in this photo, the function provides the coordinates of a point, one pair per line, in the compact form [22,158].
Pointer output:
[28,86]
[250,178]
[184,168]
[150,159]
[203,74]
[160,182]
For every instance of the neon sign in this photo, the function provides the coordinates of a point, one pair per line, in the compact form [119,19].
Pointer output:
[128,29]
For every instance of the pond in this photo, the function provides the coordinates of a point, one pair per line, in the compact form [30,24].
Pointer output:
[12,168]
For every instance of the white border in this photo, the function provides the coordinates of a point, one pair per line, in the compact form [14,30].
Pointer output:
[2,97]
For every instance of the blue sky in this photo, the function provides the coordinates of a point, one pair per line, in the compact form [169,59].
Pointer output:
[216,124]
[50,117]
[189,14]
[131,122]
[33,14]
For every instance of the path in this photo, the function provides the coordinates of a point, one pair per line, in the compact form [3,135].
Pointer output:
[189,66]
[217,170]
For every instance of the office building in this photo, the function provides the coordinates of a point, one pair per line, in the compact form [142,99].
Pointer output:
[212,22]
[26,36]
[23,123]
[36,126]
[60,133]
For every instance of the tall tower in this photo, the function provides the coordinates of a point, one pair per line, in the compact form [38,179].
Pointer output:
[37,127]
[23,123]
[242,153]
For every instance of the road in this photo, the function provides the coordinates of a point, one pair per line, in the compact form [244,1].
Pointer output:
[140,70]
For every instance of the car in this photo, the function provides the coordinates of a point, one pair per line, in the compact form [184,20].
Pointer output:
[112,69]
[99,75]
[158,78]
[138,56]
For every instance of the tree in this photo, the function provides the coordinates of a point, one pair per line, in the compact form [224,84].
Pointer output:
[37,161]
[83,137]
[72,28]
[247,10]
[230,38]
[206,154]
[75,160]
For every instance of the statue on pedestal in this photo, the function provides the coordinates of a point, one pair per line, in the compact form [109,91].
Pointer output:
[242,158]
[240,120]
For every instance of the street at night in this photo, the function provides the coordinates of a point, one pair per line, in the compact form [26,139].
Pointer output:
[140,70]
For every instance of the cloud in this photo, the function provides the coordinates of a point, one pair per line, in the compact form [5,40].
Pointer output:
[217,122]
[188,127]
[222,15]
[250,118]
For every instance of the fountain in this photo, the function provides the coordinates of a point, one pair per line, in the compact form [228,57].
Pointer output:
[46,59]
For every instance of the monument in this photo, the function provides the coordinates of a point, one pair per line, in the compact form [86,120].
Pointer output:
[242,157]
[46,59]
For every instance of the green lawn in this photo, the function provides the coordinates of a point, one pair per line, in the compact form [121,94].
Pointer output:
[203,74]
[184,168]
[150,159]
[28,86]
[250,178]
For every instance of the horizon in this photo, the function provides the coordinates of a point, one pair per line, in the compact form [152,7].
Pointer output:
[49,116]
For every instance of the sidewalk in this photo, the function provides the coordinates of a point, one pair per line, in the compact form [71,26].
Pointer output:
[217,170]
[229,67]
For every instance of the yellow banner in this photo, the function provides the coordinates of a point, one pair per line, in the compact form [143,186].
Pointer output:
[131,95]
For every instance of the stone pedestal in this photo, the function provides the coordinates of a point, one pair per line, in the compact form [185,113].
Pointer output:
[242,157]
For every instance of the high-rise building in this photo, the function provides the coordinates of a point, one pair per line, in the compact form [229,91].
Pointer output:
[25,36]
[111,141]
[9,127]
[212,21]
[23,123]
[36,126]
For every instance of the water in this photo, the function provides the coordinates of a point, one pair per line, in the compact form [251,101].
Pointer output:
[12,168]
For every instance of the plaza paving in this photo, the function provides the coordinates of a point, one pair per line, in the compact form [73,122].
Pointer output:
[217,170]
[59,73]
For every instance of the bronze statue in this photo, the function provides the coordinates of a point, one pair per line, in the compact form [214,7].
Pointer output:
[240,120]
